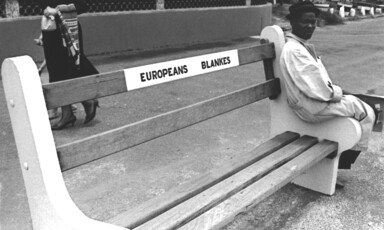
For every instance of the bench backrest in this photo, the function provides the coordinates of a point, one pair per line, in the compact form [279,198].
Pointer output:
[82,151]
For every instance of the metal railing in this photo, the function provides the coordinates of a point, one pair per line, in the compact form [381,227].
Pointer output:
[177,4]
[19,8]
[120,5]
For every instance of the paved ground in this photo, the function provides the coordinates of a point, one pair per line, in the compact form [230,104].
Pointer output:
[354,56]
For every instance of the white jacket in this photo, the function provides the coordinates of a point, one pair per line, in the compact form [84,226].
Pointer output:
[308,85]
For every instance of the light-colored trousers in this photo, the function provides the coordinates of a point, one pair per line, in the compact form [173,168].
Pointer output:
[349,106]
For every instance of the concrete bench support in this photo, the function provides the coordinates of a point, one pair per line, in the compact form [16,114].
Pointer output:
[50,205]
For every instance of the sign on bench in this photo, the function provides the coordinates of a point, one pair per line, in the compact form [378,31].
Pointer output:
[148,75]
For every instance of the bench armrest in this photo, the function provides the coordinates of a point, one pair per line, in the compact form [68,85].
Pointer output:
[50,204]
[345,131]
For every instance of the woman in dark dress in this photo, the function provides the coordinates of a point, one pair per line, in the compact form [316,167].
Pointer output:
[61,66]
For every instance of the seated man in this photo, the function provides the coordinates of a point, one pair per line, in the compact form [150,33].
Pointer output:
[310,91]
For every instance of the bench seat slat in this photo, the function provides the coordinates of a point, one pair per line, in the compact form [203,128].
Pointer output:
[101,85]
[142,213]
[101,145]
[202,202]
[223,213]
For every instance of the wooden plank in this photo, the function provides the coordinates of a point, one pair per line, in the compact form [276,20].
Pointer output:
[268,69]
[268,64]
[269,73]
[85,88]
[154,207]
[202,202]
[256,53]
[243,201]
[101,145]
[101,85]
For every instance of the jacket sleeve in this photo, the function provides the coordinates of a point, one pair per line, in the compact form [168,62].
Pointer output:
[310,78]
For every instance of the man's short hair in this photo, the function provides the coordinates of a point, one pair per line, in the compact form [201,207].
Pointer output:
[302,7]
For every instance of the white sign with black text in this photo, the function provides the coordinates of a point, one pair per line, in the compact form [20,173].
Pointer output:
[153,74]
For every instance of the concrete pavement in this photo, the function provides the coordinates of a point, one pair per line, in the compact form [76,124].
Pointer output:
[354,56]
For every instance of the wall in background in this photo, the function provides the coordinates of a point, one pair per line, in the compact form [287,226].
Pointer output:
[141,30]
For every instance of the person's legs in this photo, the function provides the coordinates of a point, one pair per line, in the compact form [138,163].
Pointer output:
[90,108]
[351,106]
[347,158]
[67,118]
[86,69]
[366,126]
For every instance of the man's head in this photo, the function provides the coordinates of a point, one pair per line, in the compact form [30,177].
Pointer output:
[303,17]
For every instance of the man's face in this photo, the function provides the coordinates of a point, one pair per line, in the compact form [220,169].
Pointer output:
[304,25]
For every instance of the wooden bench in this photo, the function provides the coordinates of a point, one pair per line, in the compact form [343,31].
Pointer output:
[297,151]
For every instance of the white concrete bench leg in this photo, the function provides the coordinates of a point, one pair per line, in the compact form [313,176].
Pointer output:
[345,131]
[321,177]
[50,205]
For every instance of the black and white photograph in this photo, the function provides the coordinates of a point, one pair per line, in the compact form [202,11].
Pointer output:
[191,114]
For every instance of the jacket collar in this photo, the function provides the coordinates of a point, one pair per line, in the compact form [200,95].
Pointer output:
[292,36]
[303,42]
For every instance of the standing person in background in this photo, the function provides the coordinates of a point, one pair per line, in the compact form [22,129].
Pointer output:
[52,113]
[311,94]
[63,50]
